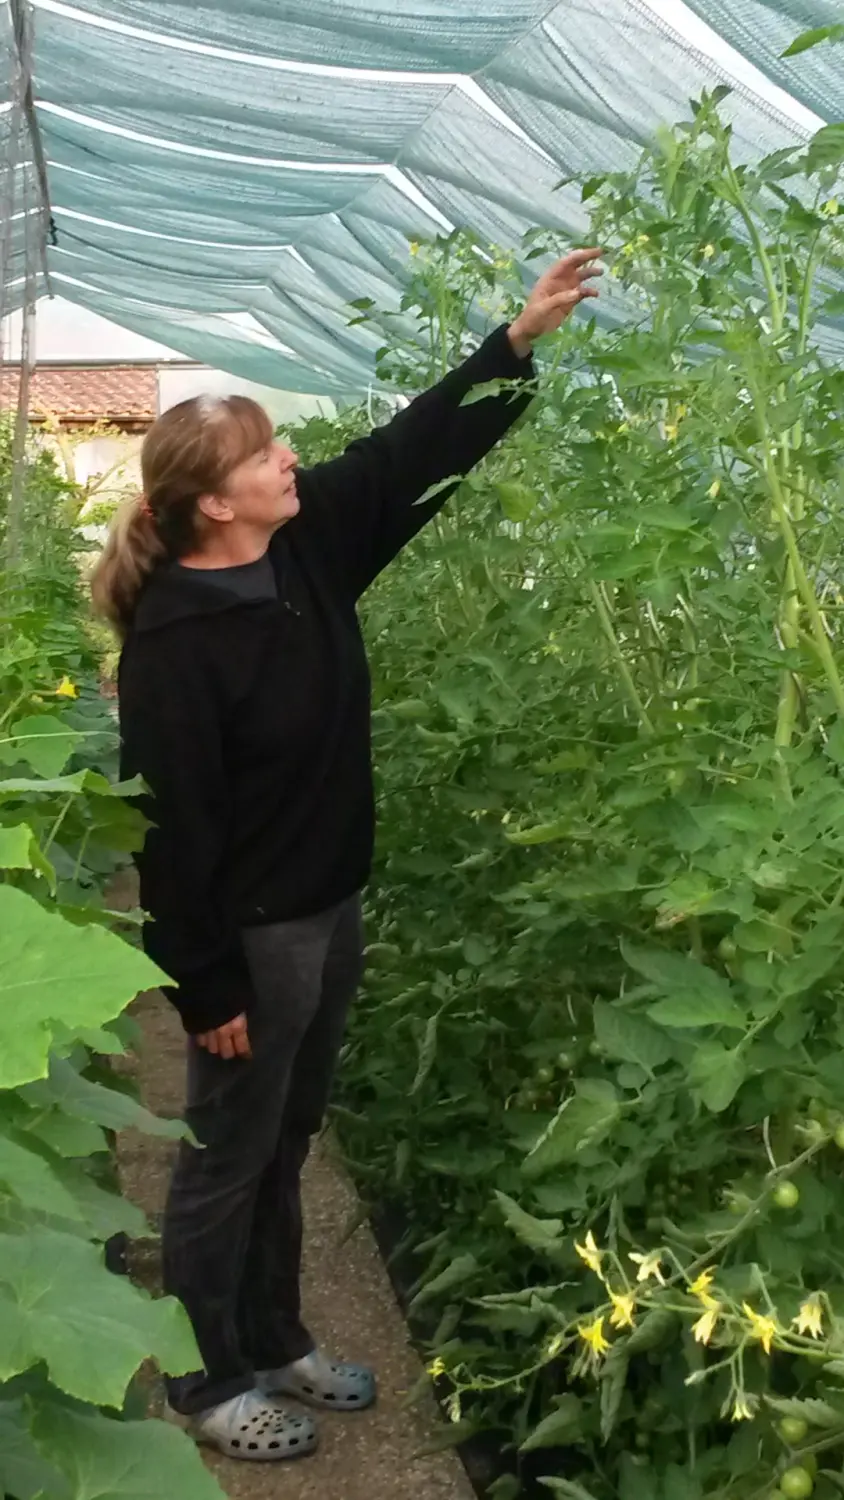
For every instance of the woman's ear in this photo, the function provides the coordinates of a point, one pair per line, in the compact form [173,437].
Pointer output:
[214,508]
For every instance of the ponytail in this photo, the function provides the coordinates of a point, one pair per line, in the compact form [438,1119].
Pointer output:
[132,550]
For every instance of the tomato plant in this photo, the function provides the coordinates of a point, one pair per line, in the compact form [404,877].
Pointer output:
[607,914]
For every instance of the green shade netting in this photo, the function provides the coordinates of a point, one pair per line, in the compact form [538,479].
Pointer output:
[462,116]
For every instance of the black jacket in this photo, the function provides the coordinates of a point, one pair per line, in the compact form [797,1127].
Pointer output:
[249,721]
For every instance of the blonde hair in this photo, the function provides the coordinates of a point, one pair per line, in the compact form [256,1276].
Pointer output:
[188,452]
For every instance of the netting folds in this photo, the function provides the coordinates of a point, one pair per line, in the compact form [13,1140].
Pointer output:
[226,179]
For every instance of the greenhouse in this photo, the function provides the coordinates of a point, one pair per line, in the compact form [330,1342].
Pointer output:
[449,763]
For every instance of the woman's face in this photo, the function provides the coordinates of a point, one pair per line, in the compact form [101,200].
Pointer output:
[261,491]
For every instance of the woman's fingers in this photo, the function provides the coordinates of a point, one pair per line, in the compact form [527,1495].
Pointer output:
[241,1037]
[580,266]
[225,1043]
[231,1040]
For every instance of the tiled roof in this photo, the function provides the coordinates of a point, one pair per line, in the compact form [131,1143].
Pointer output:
[124,395]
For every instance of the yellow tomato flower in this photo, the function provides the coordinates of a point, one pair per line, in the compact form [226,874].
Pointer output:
[593,1335]
[700,1286]
[623,1305]
[830,208]
[708,251]
[810,1318]
[555,1345]
[66,689]
[714,489]
[762,1327]
[704,1328]
[436,1369]
[648,1266]
[742,1412]
[671,431]
[590,1253]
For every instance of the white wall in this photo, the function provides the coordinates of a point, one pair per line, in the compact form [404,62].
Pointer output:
[180,384]
[64,331]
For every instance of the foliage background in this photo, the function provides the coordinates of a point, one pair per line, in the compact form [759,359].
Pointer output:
[604,995]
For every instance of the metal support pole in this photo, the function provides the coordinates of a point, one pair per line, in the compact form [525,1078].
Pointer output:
[21,15]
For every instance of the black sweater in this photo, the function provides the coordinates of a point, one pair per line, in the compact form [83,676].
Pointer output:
[249,720]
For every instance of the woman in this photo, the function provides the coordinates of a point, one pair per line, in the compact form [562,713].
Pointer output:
[244,704]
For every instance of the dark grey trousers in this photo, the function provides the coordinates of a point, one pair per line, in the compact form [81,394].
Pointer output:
[232,1239]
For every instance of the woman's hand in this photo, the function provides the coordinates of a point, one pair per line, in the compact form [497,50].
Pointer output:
[555,295]
[231,1040]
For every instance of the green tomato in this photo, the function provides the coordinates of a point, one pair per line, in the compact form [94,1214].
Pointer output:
[787,1195]
[792,1430]
[565,1061]
[727,949]
[595,1049]
[796,1483]
[839,1137]
[544,1075]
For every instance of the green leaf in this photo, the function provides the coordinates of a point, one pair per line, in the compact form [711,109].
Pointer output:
[635,1481]
[813,38]
[93,1330]
[630,1037]
[111,1108]
[613,1385]
[568,1487]
[43,741]
[18,786]
[33,1181]
[16,847]
[24,1473]
[438,489]
[538,1234]
[51,970]
[826,148]
[485,389]
[581,1121]
[459,1270]
[541,833]
[517,500]
[427,1053]
[559,1428]
[817,1413]
[476,951]
[655,1328]
[106,1212]
[681,1484]
[718,1073]
[697,995]
[802,973]
[505,1487]
[67,1136]
[104,1459]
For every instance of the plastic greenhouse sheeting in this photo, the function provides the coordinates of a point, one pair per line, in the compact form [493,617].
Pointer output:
[225,179]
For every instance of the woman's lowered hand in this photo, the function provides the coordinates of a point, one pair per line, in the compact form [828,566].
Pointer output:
[228,1041]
